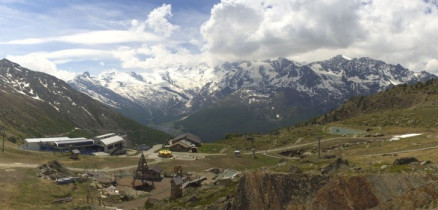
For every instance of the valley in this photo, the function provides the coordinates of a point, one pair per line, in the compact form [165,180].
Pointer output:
[366,155]
[219,105]
[362,141]
[241,97]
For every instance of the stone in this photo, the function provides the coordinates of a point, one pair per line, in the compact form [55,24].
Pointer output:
[214,170]
[383,167]
[306,155]
[425,162]
[405,161]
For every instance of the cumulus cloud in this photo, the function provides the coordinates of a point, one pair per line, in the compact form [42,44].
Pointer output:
[157,20]
[155,57]
[260,29]
[42,64]
[397,32]
[402,32]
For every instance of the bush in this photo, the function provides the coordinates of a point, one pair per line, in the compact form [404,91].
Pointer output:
[12,139]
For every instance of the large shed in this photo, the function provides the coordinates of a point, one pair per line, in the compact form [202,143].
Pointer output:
[112,143]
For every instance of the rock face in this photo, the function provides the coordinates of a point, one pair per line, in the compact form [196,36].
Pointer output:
[262,190]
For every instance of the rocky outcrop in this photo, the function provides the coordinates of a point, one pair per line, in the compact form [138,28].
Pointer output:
[405,160]
[261,190]
[53,170]
[264,190]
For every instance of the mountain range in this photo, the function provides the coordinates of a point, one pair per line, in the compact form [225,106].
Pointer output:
[240,97]
[35,104]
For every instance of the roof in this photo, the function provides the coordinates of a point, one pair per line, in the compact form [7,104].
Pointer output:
[104,136]
[157,169]
[53,139]
[182,143]
[77,141]
[189,137]
[111,140]
[75,151]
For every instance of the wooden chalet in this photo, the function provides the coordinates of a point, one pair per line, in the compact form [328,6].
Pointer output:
[188,137]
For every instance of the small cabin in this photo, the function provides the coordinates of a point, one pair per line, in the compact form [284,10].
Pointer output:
[74,154]
[187,137]
[155,173]
[237,153]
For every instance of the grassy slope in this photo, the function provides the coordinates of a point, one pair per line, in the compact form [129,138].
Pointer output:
[22,117]
[403,108]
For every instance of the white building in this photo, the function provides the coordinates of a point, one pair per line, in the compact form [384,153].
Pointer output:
[55,142]
[111,143]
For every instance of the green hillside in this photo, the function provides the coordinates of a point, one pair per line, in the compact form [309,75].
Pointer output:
[34,104]
[413,105]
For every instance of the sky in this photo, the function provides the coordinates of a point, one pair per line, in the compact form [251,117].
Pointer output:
[66,37]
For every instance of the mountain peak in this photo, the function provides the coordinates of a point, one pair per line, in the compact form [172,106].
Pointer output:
[4,60]
[86,74]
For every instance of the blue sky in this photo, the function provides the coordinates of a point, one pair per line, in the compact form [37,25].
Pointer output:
[63,37]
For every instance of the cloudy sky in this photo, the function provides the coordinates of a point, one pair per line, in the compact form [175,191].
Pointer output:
[65,37]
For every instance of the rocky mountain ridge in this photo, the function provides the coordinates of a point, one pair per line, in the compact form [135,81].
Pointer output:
[273,93]
[35,104]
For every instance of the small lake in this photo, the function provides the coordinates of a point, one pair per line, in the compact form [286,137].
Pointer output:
[344,131]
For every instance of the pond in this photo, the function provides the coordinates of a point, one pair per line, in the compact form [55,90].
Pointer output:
[344,131]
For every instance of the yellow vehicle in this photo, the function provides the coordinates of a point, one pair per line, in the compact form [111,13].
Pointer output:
[165,153]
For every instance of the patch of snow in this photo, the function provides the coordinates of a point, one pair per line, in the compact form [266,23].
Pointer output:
[398,137]
[346,57]
[36,97]
[88,113]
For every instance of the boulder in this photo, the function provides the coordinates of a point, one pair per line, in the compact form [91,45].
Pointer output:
[306,155]
[405,161]
[426,162]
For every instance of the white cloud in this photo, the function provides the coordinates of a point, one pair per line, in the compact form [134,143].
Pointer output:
[398,32]
[261,29]
[40,63]
[94,38]
[157,20]
[155,57]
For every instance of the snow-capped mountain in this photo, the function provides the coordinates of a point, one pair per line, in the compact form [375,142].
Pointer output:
[37,104]
[278,92]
